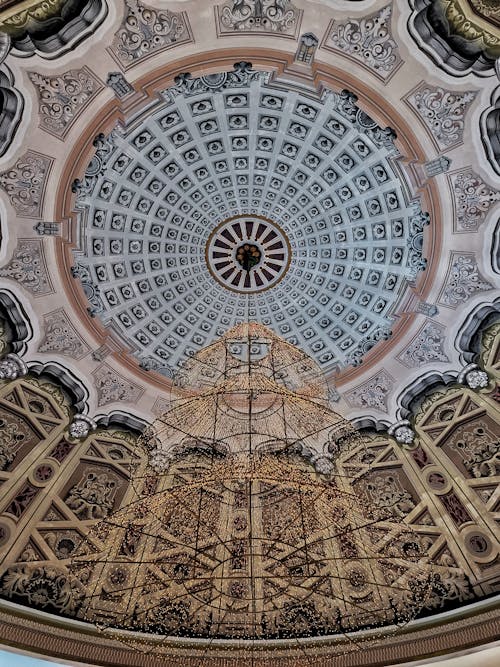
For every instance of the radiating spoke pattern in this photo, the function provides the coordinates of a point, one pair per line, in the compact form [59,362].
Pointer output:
[248,254]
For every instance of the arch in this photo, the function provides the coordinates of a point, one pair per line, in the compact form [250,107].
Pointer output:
[67,380]
[468,339]
[18,319]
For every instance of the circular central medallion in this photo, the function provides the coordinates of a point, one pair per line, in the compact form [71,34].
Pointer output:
[248,253]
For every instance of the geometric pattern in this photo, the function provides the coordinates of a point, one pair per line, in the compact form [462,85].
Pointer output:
[247,254]
[235,144]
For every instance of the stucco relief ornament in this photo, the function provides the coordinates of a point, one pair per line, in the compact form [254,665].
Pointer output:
[381,136]
[345,103]
[443,112]
[369,41]
[60,336]
[113,387]
[426,347]
[390,500]
[91,290]
[12,367]
[24,183]
[242,75]
[146,30]
[105,146]
[323,465]
[474,377]
[62,97]
[473,199]
[356,356]
[463,280]
[415,241]
[8,445]
[44,586]
[402,432]
[81,426]
[373,393]
[151,364]
[278,16]
[27,267]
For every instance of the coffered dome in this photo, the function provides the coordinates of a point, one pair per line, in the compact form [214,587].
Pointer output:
[309,180]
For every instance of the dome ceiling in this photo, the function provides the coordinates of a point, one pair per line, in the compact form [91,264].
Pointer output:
[133,219]
[317,170]
[248,268]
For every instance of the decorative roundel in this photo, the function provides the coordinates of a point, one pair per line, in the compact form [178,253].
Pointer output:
[236,156]
[479,544]
[248,254]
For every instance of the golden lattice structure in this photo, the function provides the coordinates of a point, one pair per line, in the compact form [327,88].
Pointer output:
[243,528]
[250,392]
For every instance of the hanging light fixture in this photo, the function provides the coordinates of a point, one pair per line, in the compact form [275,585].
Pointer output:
[244,537]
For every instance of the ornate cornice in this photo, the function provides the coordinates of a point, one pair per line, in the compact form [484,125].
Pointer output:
[476,20]
[15,15]
[464,628]
[485,9]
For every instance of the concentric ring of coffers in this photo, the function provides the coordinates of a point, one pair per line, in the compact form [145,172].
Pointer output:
[240,144]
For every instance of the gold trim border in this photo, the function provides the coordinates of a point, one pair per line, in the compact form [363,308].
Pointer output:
[66,639]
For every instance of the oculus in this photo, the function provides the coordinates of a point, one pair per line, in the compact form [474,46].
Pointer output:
[248,254]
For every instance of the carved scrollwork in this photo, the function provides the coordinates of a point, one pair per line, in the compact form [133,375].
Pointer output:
[113,387]
[92,497]
[145,31]
[25,182]
[442,112]
[63,97]
[373,393]
[279,17]
[368,41]
[43,586]
[463,280]
[473,200]
[28,267]
[387,497]
[478,448]
[426,347]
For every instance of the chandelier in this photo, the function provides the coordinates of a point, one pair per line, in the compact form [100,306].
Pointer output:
[243,536]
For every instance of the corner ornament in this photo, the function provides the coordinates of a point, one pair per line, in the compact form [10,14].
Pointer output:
[12,367]
[279,17]
[368,41]
[146,31]
[473,377]
[402,432]
[81,426]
